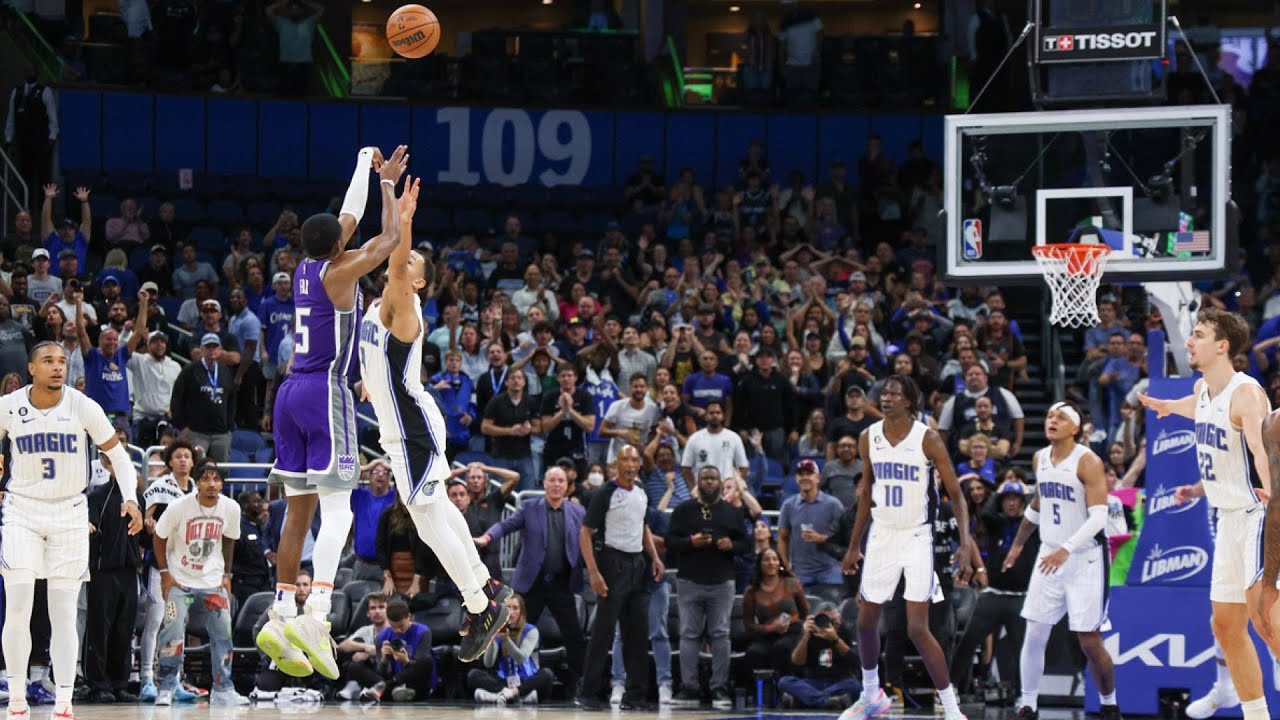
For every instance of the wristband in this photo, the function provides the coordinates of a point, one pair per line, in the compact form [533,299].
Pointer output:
[980,571]
[388,182]
[1066,545]
[228,575]
[164,571]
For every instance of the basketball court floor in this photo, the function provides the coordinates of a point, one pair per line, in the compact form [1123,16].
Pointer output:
[347,711]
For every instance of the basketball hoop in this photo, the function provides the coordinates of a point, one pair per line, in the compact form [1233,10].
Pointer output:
[1073,271]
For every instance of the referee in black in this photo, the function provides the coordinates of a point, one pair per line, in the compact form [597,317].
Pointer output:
[615,521]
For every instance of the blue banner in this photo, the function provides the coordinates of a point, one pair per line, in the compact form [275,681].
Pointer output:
[1176,544]
[1171,649]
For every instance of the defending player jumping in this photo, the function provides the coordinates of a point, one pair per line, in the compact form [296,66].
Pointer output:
[314,421]
[899,495]
[1072,572]
[412,433]
[46,516]
[1229,408]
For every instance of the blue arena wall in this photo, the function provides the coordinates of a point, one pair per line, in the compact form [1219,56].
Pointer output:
[286,138]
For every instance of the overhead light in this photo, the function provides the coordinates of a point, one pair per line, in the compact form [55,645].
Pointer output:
[547,2]
[916,6]
[734,8]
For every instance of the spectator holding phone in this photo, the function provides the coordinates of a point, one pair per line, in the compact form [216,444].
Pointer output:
[511,671]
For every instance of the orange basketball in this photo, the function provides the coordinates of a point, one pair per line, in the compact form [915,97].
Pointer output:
[413,31]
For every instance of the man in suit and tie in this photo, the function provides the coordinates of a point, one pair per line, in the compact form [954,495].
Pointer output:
[548,572]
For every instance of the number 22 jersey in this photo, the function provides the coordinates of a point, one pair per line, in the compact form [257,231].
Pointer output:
[1223,457]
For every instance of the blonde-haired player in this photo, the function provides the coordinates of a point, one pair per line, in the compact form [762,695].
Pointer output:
[1229,408]
[46,515]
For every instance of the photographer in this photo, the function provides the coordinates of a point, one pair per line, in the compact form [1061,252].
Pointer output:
[405,661]
[512,672]
[824,664]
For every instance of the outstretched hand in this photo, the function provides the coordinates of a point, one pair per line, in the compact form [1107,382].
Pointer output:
[394,167]
[1162,408]
[408,200]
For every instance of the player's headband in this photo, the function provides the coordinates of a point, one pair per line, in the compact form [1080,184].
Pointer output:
[1067,410]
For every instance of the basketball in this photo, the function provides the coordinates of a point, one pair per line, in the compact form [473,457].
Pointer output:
[413,31]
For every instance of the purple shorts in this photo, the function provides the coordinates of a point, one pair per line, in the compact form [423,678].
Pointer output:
[314,427]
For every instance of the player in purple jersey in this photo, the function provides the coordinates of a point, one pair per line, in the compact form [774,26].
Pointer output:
[314,418]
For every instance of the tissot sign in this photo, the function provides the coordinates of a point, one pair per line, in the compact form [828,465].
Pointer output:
[1128,42]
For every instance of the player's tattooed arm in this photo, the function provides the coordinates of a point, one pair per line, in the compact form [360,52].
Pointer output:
[1271,531]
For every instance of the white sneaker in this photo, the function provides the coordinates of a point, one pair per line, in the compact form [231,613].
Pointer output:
[19,711]
[262,695]
[272,641]
[484,696]
[615,695]
[1211,702]
[531,698]
[164,698]
[664,694]
[311,636]
[63,712]
[350,691]
[227,698]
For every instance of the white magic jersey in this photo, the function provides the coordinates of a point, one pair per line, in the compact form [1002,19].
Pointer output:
[51,450]
[411,426]
[1063,506]
[1226,465]
[904,494]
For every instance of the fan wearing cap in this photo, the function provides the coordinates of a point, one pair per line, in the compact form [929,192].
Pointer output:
[275,315]
[1072,568]
[202,399]
[40,282]
[157,270]
[211,323]
[67,234]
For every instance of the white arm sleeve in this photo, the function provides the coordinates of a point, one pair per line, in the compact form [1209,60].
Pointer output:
[126,474]
[1032,516]
[358,191]
[1096,523]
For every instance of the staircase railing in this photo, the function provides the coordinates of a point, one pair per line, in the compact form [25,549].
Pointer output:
[15,189]
[1051,354]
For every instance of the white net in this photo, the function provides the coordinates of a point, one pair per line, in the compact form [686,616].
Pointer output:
[1073,271]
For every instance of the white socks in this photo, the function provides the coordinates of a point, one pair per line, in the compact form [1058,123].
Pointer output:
[870,682]
[1107,699]
[335,523]
[1253,710]
[286,605]
[16,638]
[947,696]
[64,643]
[442,527]
[1032,662]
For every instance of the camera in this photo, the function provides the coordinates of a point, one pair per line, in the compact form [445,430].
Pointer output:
[397,644]
[822,621]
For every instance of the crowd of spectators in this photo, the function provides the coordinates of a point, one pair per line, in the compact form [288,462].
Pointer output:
[719,351]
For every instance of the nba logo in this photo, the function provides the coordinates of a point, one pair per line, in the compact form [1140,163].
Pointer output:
[971,240]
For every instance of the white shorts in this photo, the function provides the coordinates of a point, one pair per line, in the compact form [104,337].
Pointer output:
[1080,589]
[1237,554]
[420,473]
[49,538]
[893,553]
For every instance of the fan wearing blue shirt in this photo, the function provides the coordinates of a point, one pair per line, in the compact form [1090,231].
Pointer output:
[105,380]
[404,655]
[275,314]
[701,389]
[367,504]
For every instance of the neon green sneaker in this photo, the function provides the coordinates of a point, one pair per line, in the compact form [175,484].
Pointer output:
[312,637]
[273,641]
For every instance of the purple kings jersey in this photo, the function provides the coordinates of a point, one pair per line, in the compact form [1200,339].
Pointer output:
[324,338]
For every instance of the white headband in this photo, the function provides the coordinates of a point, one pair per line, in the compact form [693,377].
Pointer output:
[1067,410]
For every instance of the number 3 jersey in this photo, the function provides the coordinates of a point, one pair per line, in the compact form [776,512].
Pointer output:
[50,451]
[1226,464]
[904,494]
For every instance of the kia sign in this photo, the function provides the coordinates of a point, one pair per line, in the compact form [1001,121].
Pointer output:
[1131,42]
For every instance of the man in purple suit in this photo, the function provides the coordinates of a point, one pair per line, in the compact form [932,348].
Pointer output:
[314,415]
[549,570]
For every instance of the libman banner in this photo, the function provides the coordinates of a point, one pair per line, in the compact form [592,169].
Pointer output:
[1176,544]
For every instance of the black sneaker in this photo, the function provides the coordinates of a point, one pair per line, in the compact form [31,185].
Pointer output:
[102,697]
[630,704]
[1026,713]
[721,699]
[590,704]
[124,696]
[686,698]
[1110,712]
[496,591]
[478,630]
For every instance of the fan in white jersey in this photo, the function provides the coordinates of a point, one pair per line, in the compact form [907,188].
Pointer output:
[1071,576]
[413,433]
[1229,408]
[46,515]
[899,494]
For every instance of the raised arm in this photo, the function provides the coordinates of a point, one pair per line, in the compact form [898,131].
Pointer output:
[358,262]
[86,215]
[46,211]
[397,309]
[139,323]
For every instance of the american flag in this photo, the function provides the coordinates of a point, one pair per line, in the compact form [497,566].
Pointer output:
[1193,242]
